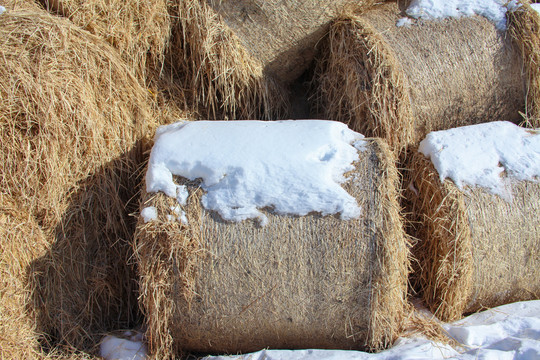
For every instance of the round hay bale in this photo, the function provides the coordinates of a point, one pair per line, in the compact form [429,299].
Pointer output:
[475,250]
[71,116]
[298,282]
[22,243]
[400,83]
[140,29]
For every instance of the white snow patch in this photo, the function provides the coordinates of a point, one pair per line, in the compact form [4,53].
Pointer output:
[2,9]
[507,332]
[295,167]
[404,21]
[478,155]
[128,347]
[493,10]
[536,7]
[149,213]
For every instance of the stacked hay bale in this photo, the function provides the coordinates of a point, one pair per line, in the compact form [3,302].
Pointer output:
[400,83]
[236,56]
[476,249]
[308,281]
[71,116]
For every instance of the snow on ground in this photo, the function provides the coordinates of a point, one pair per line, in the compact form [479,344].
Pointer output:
[478,155]
[296,167]
[507,332]
[129,346]
[493,10]
[536,7]
[2,9]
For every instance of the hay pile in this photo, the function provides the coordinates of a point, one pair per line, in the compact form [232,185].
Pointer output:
[71,115]
[475,250]
[298,282]
[22,242]
[400,83]
[139,29]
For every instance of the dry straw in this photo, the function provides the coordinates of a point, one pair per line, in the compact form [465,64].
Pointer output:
[524,26]
[139,29]
[298,282]
[282,35]
[475,250]
[400,83]
[70,118]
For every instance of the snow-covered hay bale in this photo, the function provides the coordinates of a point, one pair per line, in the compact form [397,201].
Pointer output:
[310,280]
[524,26]
[70,117]
[139,29]
[22,241]
[401,82]
[478,233]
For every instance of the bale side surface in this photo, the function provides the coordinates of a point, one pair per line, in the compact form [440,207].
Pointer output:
[22,241]
[70,119]
[298,282]
[524,27]
[282,35]
[475,250]
[400,83]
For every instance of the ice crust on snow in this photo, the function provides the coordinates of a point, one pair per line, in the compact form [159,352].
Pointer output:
[493,10]
[295,167]
[507,332]
[128,347]
[478,155]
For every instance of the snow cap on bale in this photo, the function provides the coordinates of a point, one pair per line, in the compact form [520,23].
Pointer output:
[70,118]
[401,82]
[299,281]
[476,248]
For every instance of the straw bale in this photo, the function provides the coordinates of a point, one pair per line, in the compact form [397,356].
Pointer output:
[524,27]
[475,250]
[298,282]
[400,83]
[282,34]
[139,29]
[71,117]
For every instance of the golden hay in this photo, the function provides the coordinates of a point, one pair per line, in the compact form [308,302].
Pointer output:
[22,241]
[213,286]
[139,29]
[225,81]
[70,118]
[524,26]
[400,83]
[282,34]
[475,250]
